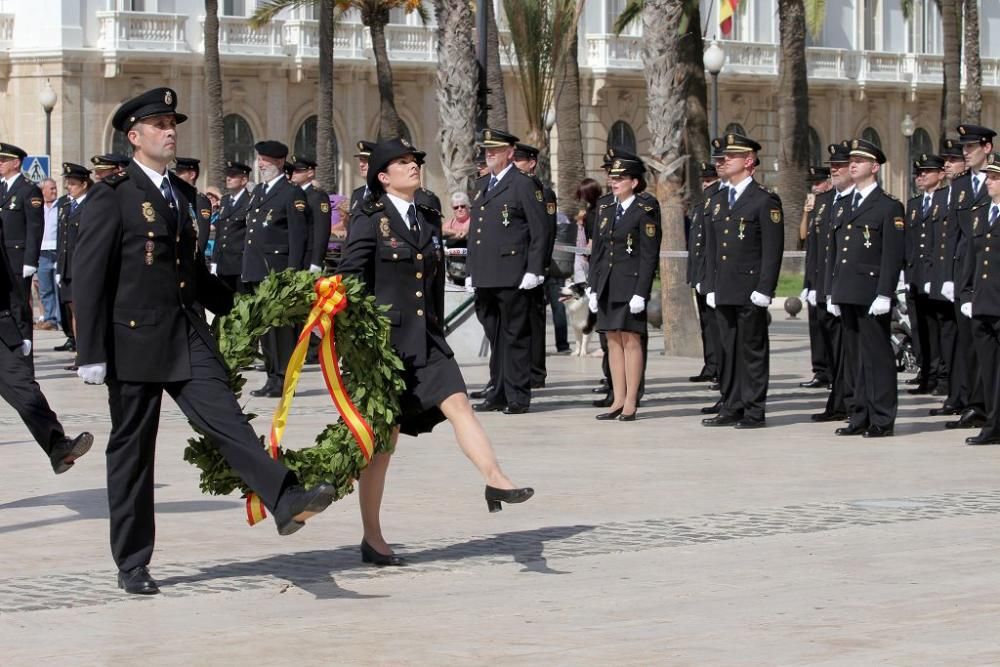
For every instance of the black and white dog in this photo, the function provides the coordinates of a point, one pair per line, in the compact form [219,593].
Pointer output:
[578,315]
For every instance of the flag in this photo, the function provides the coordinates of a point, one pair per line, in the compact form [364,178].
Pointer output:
[726,10]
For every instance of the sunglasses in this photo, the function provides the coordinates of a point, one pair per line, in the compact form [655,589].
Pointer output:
[455,208]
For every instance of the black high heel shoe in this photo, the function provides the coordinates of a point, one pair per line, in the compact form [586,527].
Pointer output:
[495,496]
[628,418]
[608,416]
[369,555]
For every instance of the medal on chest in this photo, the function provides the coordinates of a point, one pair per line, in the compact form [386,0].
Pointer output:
[868,237]
[147,212]
[628,244]
[13,200]
[383,227]
[741,228]
[149,253]
[506,216]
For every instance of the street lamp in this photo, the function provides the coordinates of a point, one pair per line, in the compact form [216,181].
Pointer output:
[908,127]
[47,98]
[714,57]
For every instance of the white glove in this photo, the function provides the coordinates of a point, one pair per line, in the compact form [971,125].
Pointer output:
[26,347]
[880,306]
[58,279]
[93,373]
[927,288]
[697,288]
[811,297]
[213,269]
[804,295]
[901,284]
[832,308]
[759,299]
[28,271]
[530,281]
[948,291]
[591,301]
[315,269]
[636,304]
[710,299]
[966,309]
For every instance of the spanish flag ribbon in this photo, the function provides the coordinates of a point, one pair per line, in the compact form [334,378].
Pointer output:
[331,298]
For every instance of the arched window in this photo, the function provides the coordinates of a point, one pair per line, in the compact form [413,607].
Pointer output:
[735,128]
[305,143]
[237,139]
[120,144]
[621,135]
[816,153]
[871,136]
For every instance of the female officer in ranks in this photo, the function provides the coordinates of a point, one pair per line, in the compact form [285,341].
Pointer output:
[78,184]
[394,245]
[623,260]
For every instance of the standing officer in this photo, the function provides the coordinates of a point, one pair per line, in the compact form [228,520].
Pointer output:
[138,276]
[317,212]
[710,185]
[866,257]
[820,199]
[78,184]
[361,193]
[22,221]
[231,227]
[277,235]
[188,168]
[745,239]
[107,165]
[508,249]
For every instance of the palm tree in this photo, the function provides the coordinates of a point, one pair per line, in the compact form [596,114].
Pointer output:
[213,84]
[951,98]
[326,158]
[496,100]
[456,92]
[793,114]
[572,169]
[973,65]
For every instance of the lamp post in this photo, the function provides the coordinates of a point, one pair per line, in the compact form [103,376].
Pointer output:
[47,98]
[714,57]
[908,127]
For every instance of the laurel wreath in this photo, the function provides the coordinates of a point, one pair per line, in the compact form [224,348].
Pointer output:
[371,369]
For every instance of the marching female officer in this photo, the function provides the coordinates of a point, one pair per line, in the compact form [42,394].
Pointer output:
[394,245]
[623,261]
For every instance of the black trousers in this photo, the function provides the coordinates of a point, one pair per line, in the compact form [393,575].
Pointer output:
[19,388]
[831,328]
[709,336]
[943,316]
[277,346]
[869,350]
[536,320]
[488,321]
[926,341]
[233,282]
[818,351]
[965,366]
[506,310]
[746,364]
[208,402]
[986,333]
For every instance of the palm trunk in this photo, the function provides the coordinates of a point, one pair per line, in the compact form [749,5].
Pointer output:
[665,75]
[973,65]
[326,158]
[496,116]
[571,166]
[696,139]
[793,115]
[951,102]
[456,85]
[213,84]
[390,126]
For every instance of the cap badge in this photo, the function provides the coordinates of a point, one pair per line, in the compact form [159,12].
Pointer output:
[961,129]
[168,98]
[730,139]
[487,135]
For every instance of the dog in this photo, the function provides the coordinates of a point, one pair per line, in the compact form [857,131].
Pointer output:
[574,297]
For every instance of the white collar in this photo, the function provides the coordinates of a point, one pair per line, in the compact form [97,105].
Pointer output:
[867,191]
[271,183]
[741,186]
[80,200]
[155,177]
[10,181]
[306,186]
[236,197]
[402,206]
[504,172]
[628,202]
[846,193]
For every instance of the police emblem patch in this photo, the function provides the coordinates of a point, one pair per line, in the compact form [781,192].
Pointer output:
[36,202]
[898,223]
[383,226]
[550,208]
[776,215]
[168,98]
[538,195]
[206,213]
[300,205]
[325,207]
[147,211]
[650,230]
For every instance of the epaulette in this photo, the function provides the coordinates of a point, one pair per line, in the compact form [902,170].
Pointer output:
[115,180]
[648,208]
[370,206]
[430,208]
[976,208]
[916,199]
[603,206]
[892,197]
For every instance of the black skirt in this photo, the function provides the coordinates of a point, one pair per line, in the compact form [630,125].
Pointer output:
[615,316]
[426,387]
[65,292]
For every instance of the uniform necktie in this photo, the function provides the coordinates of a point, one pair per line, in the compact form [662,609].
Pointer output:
[732,197]
[619,212]
[975,185]
[927,204]
[994,212]
[3,189]
[411,215]
[857,201]
[492,184]
[74,204]
[168,195]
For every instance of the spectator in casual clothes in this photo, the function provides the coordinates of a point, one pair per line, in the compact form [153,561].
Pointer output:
[587,194]
[47,258]
[457,226]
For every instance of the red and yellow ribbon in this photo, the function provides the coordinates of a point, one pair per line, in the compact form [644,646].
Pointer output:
[331,298]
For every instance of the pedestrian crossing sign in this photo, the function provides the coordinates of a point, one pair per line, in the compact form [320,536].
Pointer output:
[35,168]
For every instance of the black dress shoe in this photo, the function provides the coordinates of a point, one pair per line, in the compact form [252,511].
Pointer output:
[746,423]
[68,451]
[816,383]
[701,377]
[878,432]
[603,389]
[71,367]
[713,409]
[68,346]
[495,496]
[980,440]
[137,582]
[296,505]
[918,391]
[628,418]
[482,393]
[260,368]
[969,419]
[851,429]
[940,390]
[828,417]
[538,384]
[608,416]
[945,410]
[605,402]
[721,420]
[489,406]
[267,391]
[369,555]
[515,409]
[715,386]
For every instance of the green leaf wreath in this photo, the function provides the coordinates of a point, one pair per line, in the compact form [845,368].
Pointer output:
[371,370]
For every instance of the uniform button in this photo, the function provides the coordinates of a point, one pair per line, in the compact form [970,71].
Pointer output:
[251,230]
[395,256]
[182,284]
[987,248]
[923,235]
[419,275]
[482,208]
[850,226]
[419,294]
[178,239]
[984,276]
[249,241]
[724,244]
[178,262]
[843,261]
[275,252]
[420,312]
[132,323]
[845,249]
[723,258]
[256,210]
[150,234]
[513,252]
[479,230]
[420,256]
[477,242]
[610,264]
[847,238]
[725,231]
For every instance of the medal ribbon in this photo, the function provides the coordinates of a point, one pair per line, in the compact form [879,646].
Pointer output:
[331,298]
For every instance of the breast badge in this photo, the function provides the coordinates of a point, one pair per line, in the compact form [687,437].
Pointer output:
[383,227]
[147,212]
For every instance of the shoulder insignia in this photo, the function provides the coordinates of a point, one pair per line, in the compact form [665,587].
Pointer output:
[603,206]
[324,207]
[648,208]
[370,207]
[300,205]
[36,202]
[206,213]
[550,208]
[116,180]
[538,195]
[650,230]
[898,223]
[776,215]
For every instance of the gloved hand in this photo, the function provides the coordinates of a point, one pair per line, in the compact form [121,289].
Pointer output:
[25,348]
[636,304]
[591,301]
[832,308]
[697,288]
[966,309]
[758,299]
[315,269]
[811,297]
[28,271]
[948,291]
[804,295]
[93,373]
[927,288]
[710,299]
[901,284]
[530,281]
[213,268]
[58,279]
[468,285]
[880,306]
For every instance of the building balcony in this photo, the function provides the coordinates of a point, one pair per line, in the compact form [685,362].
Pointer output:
[238,38]
[142,31]
[6,31]
[352,41]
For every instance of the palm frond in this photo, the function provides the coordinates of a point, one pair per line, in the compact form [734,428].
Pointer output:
[268,9]
[816,16]
[631,12]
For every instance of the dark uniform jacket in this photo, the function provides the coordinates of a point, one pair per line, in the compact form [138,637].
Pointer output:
[231,234]
[510,232]
[696,235]
[919,240]
[357,198]
[817,239]
[318,215]
[624,254]
[405,273]
[23,221]
[137,275]
[68,230]
[744,246]
[963,212]
[203,213]
[277,231]
[945,235]
[867,250]
[980,282]
[15,323]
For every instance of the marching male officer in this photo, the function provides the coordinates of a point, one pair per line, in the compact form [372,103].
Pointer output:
[22,221]
[317,211]
[277,236]
[866,258]
[231,227]
[508,250]
[710,185]
[745,239]
[188,168]
[821,195]
[138,276]
[359,194]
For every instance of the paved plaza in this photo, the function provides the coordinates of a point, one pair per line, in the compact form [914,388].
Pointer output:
[659,542]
